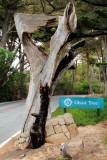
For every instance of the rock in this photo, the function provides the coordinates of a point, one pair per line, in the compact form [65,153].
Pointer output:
[75,146]
[19,146]
[64,128]
[64,151]
[22,140]
[23,155]
[18,138]
[72,148]
[49,129]
[27,139]
[16,143]
[68,118]
[54,121]
[57,129]
[61,129]
[24,145]
[67,134]
[61,121]
[24,135]
[73,130]
[56,138]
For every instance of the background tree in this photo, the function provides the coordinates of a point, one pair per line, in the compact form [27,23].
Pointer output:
[91,25]
[12,83]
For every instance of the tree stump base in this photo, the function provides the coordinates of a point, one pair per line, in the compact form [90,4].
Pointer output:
[58,130]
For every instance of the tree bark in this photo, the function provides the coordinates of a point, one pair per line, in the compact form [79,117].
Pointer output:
[5,29]
[73,81]
[89,76]
[104,47]
[44,69]
[21,60]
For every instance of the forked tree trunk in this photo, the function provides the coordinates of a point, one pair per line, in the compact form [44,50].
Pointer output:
[44,69]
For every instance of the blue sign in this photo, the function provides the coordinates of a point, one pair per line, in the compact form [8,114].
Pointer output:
[81,102]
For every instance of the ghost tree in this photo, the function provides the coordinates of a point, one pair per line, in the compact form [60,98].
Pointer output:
[45,69]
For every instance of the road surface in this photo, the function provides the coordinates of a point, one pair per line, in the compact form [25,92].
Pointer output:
[11,117]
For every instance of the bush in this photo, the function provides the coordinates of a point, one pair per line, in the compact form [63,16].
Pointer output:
[83,87]
[15,88]
[97,87]
[63,88]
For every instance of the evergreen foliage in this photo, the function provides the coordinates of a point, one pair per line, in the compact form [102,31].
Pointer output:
[12,83]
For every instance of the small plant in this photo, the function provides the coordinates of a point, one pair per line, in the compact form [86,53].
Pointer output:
[17,149]
[105,140]
[60,158]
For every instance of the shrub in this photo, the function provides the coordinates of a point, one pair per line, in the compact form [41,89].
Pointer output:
[63,88]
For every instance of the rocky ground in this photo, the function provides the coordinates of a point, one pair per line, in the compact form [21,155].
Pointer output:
[94,147]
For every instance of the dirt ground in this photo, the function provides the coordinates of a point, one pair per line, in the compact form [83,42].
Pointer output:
[94,146]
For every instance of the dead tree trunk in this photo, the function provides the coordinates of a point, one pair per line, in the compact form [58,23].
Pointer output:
[44,69]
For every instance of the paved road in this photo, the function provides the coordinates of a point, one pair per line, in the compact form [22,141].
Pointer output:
[11,117]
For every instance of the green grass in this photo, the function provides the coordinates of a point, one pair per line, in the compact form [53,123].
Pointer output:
[84,116]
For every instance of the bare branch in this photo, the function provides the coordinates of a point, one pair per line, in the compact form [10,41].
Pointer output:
[95,3]
[19,60]
[4,83]
[48,2]
[10,28]
[43,8]
[84,35]
[78,44]
[92,34]
[17,47]
[25,4]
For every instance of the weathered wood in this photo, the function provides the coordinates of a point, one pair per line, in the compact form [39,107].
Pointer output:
[28,23]
[44,69]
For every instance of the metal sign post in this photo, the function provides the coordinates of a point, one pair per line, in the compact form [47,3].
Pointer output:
[65,110]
